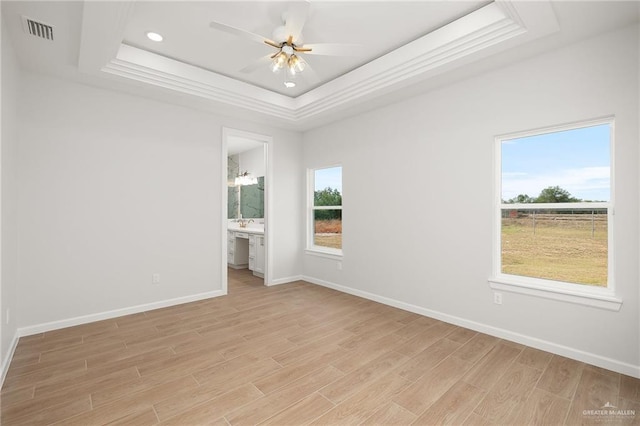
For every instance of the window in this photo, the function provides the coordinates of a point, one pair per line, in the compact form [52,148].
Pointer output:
[325,212]
[554,212]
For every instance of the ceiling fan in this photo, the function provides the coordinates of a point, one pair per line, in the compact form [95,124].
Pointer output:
[287,40]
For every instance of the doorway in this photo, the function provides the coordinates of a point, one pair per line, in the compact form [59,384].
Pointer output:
[246,205]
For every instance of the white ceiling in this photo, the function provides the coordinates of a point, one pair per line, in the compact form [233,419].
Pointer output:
[374,27]
[405,48]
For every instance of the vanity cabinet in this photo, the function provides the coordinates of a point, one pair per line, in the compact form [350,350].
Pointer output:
[256,254]
[237,249]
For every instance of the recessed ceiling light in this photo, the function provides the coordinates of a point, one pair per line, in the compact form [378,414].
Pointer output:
[289,84]
[154,36]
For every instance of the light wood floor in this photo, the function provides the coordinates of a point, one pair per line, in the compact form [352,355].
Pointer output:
[297,354]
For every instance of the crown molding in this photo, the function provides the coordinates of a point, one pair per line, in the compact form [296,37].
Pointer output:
[497,26]
[98,19]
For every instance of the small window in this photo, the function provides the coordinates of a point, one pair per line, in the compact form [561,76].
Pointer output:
[325,233]
[554,211]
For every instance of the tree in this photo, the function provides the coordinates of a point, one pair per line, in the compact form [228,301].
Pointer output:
[555,194]
[521,199]
[327,197]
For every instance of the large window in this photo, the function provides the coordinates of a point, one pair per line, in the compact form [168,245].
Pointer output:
[554,209]
[325,212]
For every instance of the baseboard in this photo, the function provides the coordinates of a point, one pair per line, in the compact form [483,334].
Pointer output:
[285,280]
[70,322]
[568,352]
[7,361]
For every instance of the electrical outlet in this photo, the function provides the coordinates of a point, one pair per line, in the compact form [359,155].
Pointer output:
[339,266]
[155,279]
[8,316]
[497,298]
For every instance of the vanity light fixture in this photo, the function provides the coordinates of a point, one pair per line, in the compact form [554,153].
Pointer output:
[245,179]
[154,36]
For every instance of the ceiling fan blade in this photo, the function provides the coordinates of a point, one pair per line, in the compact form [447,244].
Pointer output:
[262,62]
[333,49]
[240,33]
[295,18]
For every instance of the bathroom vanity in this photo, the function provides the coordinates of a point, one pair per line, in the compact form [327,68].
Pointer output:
[246,249]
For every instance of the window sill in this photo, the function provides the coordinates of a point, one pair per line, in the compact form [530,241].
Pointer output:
[329,254]
[595,297]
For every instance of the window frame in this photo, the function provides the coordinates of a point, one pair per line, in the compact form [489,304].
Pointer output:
[311,247]
[596,296]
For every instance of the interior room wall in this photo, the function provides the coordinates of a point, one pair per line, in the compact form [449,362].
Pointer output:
[253,162]
[418,197]
[9,90]
[115,188]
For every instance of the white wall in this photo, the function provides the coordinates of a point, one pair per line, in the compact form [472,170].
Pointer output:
[114,188]
[417,181]
[253,162]
[9,142]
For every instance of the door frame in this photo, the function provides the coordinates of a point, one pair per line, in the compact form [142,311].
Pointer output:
[267,140]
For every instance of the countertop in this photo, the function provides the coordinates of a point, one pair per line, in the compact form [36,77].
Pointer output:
[256,229]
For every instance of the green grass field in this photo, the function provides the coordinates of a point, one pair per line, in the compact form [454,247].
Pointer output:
[562,249]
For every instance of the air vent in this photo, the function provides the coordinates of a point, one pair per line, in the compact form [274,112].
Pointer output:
[37,29]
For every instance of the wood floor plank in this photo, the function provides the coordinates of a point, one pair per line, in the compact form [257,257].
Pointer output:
[215,408]
[415,327]
[364,403]
[477,347]
[302,412]
[129,405]
[140,418]
[17,394]
[535,358]
[461,335]
[543,408]
[342,388]
[425,338]
[430,387]
[262,409]
[31,409]
[454,406]
[367,352]
[426,360]
[630,388]
[293,372]
[391,414]
[501,404]
[595,391]
[476,420]
[52,373]
[561,376]
[490,368]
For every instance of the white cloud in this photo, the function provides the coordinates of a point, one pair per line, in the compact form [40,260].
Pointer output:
[588,183]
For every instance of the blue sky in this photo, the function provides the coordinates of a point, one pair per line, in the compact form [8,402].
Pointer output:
[329,178]
[577,160]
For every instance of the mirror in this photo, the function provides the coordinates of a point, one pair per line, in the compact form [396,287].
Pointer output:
[245,200]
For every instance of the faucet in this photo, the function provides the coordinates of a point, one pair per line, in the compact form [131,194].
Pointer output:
[244,222]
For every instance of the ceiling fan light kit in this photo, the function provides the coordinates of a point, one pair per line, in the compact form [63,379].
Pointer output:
[287,39]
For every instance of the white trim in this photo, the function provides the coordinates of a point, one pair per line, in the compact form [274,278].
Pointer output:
[224,213]
[566,351]
[7,361]
[324,252]
[514,284]
[285,280]
[310,246]
[577,293]
[85,319]
[268,213]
